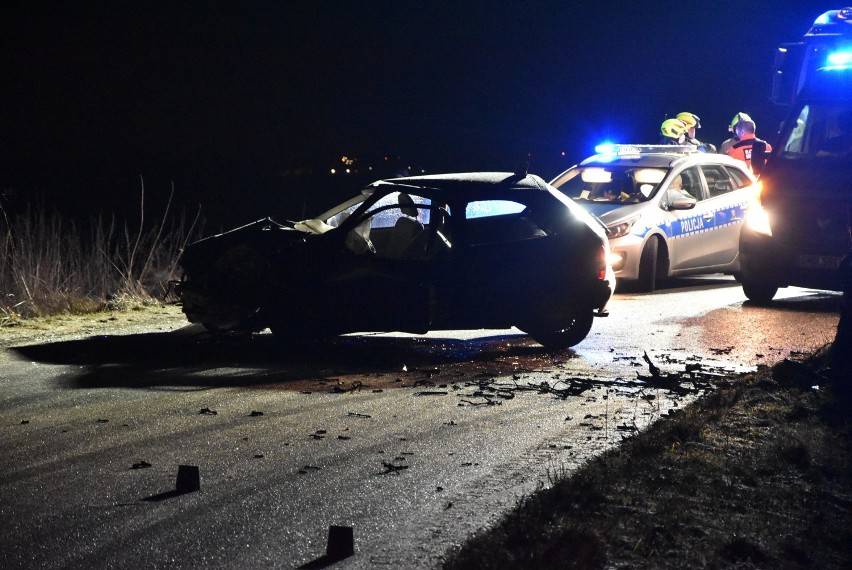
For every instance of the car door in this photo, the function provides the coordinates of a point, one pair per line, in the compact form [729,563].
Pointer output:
[690,231]
[375,281]
[500,262]
[728,201]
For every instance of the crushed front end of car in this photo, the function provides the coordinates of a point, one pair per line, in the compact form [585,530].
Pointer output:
[227,276]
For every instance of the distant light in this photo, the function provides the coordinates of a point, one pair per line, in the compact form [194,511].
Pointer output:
[563,153]
[348,171]
[334,171]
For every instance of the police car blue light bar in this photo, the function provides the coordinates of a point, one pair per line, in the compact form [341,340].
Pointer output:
[637,149]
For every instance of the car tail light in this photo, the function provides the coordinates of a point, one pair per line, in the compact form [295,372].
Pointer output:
[602,260]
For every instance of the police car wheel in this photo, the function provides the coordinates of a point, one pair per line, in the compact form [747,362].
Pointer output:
[648,261]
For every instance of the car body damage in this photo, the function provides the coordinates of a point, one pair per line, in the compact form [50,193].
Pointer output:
[443,252]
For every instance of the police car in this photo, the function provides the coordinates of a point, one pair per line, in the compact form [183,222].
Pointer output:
[669,210]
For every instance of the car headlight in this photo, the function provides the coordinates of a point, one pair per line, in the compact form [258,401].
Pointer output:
[621,228]
[757,219]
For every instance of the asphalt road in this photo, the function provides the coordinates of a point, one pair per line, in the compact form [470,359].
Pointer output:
[413,442]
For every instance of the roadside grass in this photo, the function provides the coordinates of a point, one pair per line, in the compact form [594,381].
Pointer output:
[52,265]
[757,474]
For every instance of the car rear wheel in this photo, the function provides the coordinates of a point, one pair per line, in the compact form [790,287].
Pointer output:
[648,263]
[564,335]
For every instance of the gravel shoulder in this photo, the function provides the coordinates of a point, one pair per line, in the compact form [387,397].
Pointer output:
[144,318]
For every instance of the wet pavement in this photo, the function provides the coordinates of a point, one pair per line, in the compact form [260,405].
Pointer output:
[413,442]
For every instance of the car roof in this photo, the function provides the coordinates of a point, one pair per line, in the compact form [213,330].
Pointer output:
[471,184]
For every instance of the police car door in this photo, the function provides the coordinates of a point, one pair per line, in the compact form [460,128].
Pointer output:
[691,231]
[728,204]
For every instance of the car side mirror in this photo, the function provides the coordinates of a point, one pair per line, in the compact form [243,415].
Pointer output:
[681,203]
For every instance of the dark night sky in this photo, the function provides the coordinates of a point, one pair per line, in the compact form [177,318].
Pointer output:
[227,100]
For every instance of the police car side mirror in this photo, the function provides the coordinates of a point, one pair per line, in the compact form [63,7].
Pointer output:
[682,203]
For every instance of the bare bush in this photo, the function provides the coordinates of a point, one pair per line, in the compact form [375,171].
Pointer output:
[51,265]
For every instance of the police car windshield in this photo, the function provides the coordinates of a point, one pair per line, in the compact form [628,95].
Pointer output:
[614,184]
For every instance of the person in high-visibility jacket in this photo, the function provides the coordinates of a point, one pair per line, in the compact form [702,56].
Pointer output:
[729,142]
[748,148]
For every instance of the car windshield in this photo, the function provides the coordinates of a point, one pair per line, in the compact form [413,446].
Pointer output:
[821,130]
[614,184]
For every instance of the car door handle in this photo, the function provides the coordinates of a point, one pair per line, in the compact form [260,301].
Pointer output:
[708,217]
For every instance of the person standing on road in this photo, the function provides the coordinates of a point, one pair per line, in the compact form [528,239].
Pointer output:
[730,141]
[693,122]
[749,149]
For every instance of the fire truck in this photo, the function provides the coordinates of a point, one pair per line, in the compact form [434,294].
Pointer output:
[802,230]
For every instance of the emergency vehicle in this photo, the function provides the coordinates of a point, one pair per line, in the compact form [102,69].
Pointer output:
[669,210]
[801,232]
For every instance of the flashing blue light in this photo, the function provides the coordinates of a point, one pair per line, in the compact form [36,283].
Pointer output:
[840,59]
[606,148]
[823,19]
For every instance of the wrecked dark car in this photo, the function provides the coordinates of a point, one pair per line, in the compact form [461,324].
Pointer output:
[416,254]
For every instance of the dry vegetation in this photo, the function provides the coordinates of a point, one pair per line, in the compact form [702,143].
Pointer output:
[51,265]
[756,475]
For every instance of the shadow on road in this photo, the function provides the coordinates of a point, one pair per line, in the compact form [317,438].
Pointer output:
[814,302]
[675,284]
[191,358]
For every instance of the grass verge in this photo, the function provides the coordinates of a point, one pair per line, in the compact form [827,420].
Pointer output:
[758,474]
[51,265]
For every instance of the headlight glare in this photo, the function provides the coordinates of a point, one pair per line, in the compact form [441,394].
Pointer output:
[757,220]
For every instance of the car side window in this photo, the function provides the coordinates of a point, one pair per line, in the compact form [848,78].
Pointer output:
[390,226]
[500,221]
[687,184]
[738,177]
[718,181]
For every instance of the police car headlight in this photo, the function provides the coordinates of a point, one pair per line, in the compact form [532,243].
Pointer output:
[621,228]
[757,220]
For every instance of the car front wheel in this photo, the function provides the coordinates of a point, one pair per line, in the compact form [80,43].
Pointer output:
[566,334]
[758,291]
[648,263]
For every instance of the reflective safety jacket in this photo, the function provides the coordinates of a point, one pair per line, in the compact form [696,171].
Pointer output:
[751,150]
[727,144]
